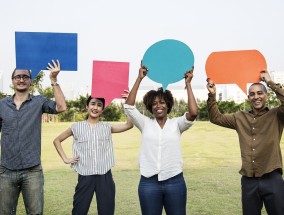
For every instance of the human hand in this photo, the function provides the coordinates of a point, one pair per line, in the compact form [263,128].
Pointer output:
[211,86]
[264,76]
[125,95]
[71,160]
[54,70]
[142,71]
[188,75]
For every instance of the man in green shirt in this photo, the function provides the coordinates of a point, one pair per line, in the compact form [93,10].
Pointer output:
[259,131]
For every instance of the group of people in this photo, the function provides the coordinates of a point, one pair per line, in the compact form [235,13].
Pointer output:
[161,185]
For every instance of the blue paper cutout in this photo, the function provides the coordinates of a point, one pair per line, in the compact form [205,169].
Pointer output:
[34,50]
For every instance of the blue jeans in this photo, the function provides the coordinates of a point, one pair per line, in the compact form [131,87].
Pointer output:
[154,195]
[28,181]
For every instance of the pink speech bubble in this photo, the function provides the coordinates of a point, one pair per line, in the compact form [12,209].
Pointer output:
[235,67]
[110,79]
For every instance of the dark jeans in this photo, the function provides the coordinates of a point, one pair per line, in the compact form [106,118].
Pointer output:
[268,189]
[154,195]
[28,181]
[103,186]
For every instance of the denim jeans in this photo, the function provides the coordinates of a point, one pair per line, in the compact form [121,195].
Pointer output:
[170,194]
[28,181]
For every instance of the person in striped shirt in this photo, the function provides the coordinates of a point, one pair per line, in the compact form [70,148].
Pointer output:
[93,158]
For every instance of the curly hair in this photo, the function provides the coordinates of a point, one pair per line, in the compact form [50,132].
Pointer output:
[150,96]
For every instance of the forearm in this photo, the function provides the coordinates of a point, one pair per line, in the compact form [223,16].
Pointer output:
[192,105]
[278,89]
[59,99]
[133,93]
[59,149]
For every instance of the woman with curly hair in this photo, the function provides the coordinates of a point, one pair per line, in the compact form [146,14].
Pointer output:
[161,167]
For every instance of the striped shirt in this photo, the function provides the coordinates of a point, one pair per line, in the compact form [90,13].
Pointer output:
[93,145]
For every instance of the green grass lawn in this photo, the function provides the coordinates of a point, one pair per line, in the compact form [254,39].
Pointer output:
[211,164]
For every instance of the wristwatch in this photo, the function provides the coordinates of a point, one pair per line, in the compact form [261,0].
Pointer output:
[54,84]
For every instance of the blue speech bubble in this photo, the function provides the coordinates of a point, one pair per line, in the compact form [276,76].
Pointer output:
[167,61]
[35,49]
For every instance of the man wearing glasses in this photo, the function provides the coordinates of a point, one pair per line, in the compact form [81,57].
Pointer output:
[20,127]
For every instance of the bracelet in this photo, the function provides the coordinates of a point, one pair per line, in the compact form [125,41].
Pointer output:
[54,84]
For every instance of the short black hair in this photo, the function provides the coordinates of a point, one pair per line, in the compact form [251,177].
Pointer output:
[259,84]
[101,99]
[150,96]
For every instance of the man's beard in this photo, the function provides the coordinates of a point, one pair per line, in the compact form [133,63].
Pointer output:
[22,90]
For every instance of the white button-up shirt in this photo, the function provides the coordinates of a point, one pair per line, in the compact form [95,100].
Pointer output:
[160,152]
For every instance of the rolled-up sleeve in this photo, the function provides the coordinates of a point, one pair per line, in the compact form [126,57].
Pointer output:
[135,116]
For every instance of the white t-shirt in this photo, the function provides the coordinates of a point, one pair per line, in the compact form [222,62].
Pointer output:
[160,147]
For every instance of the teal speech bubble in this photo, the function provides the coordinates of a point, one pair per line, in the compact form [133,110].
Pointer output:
[167,61]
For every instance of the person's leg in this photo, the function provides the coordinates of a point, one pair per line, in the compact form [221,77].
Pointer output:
[251,200]
[105,194]
[272,190]
[83,196]
[175,195]
[150,196]
[32,189]
[9,191]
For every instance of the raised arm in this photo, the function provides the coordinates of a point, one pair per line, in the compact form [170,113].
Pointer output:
[57,143]
[132,94]
[192,106]
[215,116]
[54,69]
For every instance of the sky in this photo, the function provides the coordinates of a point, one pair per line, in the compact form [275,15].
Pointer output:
[123,30]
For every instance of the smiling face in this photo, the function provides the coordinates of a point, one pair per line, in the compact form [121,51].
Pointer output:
[257,96]
[159,108]
[21,80]
[95,108]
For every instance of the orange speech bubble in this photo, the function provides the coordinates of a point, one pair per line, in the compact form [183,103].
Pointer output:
[235,67]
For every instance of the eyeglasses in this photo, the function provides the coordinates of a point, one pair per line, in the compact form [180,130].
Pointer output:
[19,77]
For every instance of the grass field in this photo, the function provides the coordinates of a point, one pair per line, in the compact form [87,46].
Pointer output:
[211,164]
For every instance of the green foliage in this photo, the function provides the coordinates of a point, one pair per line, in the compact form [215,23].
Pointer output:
[228,107]
[111,113]
[47,92]
[2,95]
[272,100]
[202,111]
[36,83]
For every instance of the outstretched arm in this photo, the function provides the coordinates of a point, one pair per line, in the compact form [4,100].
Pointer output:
[54,69]
[192,106]
[57,143]
[117,128]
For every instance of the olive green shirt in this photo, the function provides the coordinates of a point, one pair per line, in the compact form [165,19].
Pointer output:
[259,135]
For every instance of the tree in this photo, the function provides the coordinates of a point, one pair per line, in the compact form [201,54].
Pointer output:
[111,113]
[47,92]
[2,95]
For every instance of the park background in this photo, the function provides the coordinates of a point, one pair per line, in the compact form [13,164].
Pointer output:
[122,31]
[211,163]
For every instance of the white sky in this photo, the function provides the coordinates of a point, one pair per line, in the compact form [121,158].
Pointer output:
[123,30]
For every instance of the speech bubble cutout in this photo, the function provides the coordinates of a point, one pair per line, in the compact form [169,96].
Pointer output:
[110,79]
[235,67]
[167,61]
[34,50]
